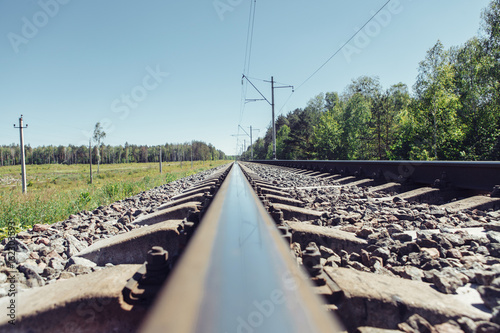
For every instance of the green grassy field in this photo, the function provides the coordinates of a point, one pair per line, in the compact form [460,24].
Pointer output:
[56,191]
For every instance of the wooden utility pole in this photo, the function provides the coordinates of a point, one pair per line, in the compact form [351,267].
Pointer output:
[161,171]
[90,160]
[23,165]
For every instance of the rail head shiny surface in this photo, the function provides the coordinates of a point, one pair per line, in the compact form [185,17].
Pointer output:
[237,275]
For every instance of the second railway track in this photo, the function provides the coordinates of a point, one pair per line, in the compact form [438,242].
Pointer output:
[383,248]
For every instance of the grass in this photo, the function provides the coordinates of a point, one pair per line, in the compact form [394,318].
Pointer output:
[56,191]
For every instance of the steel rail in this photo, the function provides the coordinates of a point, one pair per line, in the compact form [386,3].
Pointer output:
[481,176]
[237,275]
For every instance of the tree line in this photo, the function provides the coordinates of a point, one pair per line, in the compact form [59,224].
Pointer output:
[453,112]
[128,153]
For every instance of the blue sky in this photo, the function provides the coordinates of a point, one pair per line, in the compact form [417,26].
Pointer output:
[170,71]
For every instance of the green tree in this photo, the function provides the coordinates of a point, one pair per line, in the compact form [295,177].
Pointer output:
[281,138]
[356,130]
[327,137]
[363,117]
[478,112]
[332,101]
[397,102]
[298,145]
[436,107]
[259,149]
[491,30]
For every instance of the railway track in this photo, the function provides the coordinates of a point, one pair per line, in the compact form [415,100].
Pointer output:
[379,249]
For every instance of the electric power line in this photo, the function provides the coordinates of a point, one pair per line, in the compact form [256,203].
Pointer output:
[248,53]
[318,69]
[248,50]
[284,104]
[343,45]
